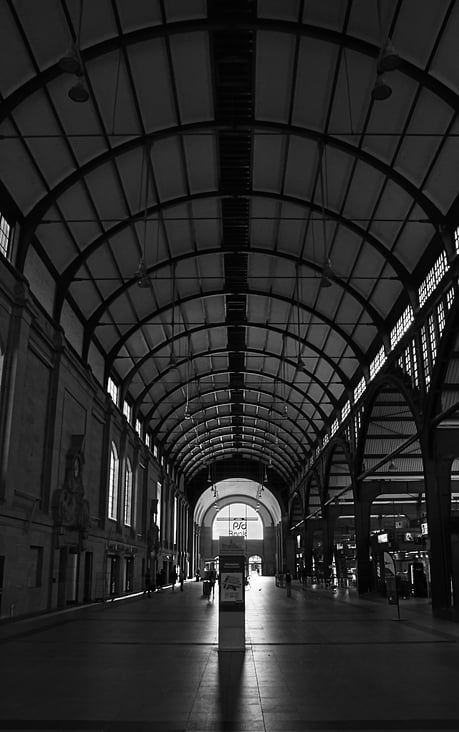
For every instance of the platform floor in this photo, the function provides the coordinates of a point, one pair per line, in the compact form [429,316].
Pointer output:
[319,660]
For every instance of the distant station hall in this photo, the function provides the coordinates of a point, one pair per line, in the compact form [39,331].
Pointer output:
[229,309]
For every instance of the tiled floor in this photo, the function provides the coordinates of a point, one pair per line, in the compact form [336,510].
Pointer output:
[316,661]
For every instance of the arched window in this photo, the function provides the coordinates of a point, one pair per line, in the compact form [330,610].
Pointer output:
[128,494]
[113,483]
[237,519]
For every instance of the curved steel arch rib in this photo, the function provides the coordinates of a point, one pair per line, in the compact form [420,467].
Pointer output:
[111,356]
[249,418]
[280,456]
[209,327]
[33,219]
[268,377]
[201,459]
[94,321]
[133,37]
[69,274]
[141,396]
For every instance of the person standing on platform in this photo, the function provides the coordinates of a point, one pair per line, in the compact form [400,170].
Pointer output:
[182,578]
[288,583]
[212,579]
[173,577]
[147,585]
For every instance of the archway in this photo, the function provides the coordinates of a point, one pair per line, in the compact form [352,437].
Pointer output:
[255,564]
[390,506]
[239,507]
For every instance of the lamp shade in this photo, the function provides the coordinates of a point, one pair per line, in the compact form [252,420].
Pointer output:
[389,59]
[79,92]
[381,90]
[70,63]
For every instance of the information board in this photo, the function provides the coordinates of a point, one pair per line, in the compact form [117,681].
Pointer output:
[232,582]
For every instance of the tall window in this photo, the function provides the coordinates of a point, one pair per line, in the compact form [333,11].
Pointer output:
[359,389]
[113,483]
[377,362]
[128,494]
[425,354]
[433,278]
[433,338]
[127,411]
[175,520]
[441,317]
[4,236]
[158,496]
[113,390]
[401,326]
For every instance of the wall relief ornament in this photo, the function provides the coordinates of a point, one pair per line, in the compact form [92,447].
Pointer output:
[71,509]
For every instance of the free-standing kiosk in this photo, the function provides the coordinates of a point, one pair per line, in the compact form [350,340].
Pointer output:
[231,626]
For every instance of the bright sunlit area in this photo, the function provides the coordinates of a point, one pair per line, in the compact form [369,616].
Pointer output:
[237,519]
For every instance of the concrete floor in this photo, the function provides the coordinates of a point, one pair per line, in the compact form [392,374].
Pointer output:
[319,660]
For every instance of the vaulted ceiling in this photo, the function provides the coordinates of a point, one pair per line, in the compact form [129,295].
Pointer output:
[218,205]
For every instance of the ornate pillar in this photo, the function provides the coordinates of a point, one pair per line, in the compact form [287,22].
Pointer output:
[51,409]
[13,393]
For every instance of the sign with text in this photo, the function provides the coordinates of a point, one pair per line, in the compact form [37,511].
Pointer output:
[232,582]
[231,545]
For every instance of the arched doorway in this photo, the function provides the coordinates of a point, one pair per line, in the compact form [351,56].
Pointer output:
[238,507]
[255,564]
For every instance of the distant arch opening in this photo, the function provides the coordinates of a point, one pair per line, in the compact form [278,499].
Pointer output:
[237,519]
[255,564]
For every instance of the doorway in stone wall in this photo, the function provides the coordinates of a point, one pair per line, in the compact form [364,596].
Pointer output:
[255,564]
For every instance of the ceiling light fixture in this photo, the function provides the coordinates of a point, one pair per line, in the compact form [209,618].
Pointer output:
[71,63]
[283,384]
[143,279]
[187,413]
[141,274]
[327,271]
[79,91]
[389,60]
[299,361]
[327,274]
[172,357]
[381,91]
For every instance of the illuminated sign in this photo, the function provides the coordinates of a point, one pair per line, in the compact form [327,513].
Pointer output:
[383,538]
[238,527]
